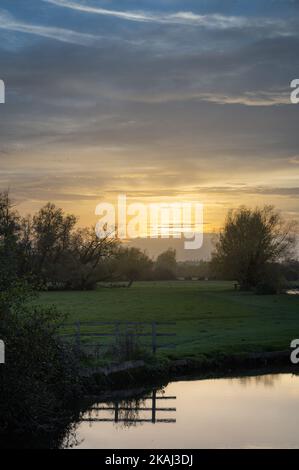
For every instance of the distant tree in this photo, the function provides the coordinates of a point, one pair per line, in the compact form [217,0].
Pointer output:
[132,264]
[194,269]
[290,270]
[250,241]
[166,265]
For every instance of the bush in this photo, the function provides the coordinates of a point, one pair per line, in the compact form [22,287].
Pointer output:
[39,382]
[128,347]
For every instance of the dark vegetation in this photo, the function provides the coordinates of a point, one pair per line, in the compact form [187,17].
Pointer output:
[39,381]
[255,248]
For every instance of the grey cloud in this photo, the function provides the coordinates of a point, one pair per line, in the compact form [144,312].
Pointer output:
[253,190]
[139,107]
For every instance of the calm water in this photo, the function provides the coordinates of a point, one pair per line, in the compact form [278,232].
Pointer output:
[251,412]
[293,292]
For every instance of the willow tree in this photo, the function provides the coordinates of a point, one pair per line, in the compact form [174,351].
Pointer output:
[251,241]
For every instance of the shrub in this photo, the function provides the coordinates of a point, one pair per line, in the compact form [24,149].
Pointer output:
[128,347]
[39,382]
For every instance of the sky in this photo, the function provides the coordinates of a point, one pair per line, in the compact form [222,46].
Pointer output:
[165,100]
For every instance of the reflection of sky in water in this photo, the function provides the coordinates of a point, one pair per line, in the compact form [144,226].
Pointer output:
[293,292]
[248,412]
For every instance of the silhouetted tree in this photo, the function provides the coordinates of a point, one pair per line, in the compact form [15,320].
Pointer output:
[89,256]
[166,265]
[49,250]
[9,236]
[250,241]
[52,231]
[132,264]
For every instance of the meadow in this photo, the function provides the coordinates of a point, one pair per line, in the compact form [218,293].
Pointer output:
[211,317]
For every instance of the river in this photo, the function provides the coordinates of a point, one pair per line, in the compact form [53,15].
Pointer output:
[260,411]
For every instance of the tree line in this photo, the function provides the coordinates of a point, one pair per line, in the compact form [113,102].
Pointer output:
[255,248]
[50,251]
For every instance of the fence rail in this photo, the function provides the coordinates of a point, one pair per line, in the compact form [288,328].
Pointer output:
[83,332]
[116,409]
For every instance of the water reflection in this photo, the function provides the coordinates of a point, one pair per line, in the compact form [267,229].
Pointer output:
[131,412]
[293,292]
[265,380]
[248,412]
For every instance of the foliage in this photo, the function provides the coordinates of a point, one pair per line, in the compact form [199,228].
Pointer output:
[194,269]
[249,242]
[290,270]
[128,347]
[50,250]
[166,265]
[273,280]
[9,250]
[40,379]
[131,264]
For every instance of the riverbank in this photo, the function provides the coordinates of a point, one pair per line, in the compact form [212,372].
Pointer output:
[141,373]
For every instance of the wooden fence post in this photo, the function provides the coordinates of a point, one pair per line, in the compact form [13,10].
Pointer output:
[78,336]
[116,412]
[97,352]
[154,406]
[154,337]
[117,332]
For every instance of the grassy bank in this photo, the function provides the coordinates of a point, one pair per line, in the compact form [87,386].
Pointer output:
[211,318]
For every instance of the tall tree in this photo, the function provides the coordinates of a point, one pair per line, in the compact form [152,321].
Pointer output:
[250,241]
[9,233]
[52,233]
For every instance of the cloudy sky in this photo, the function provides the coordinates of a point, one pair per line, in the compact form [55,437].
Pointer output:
[164,100]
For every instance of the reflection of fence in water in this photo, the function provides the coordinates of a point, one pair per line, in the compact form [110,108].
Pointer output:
[127,413]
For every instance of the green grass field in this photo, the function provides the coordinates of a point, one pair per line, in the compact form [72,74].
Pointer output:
[210,316]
